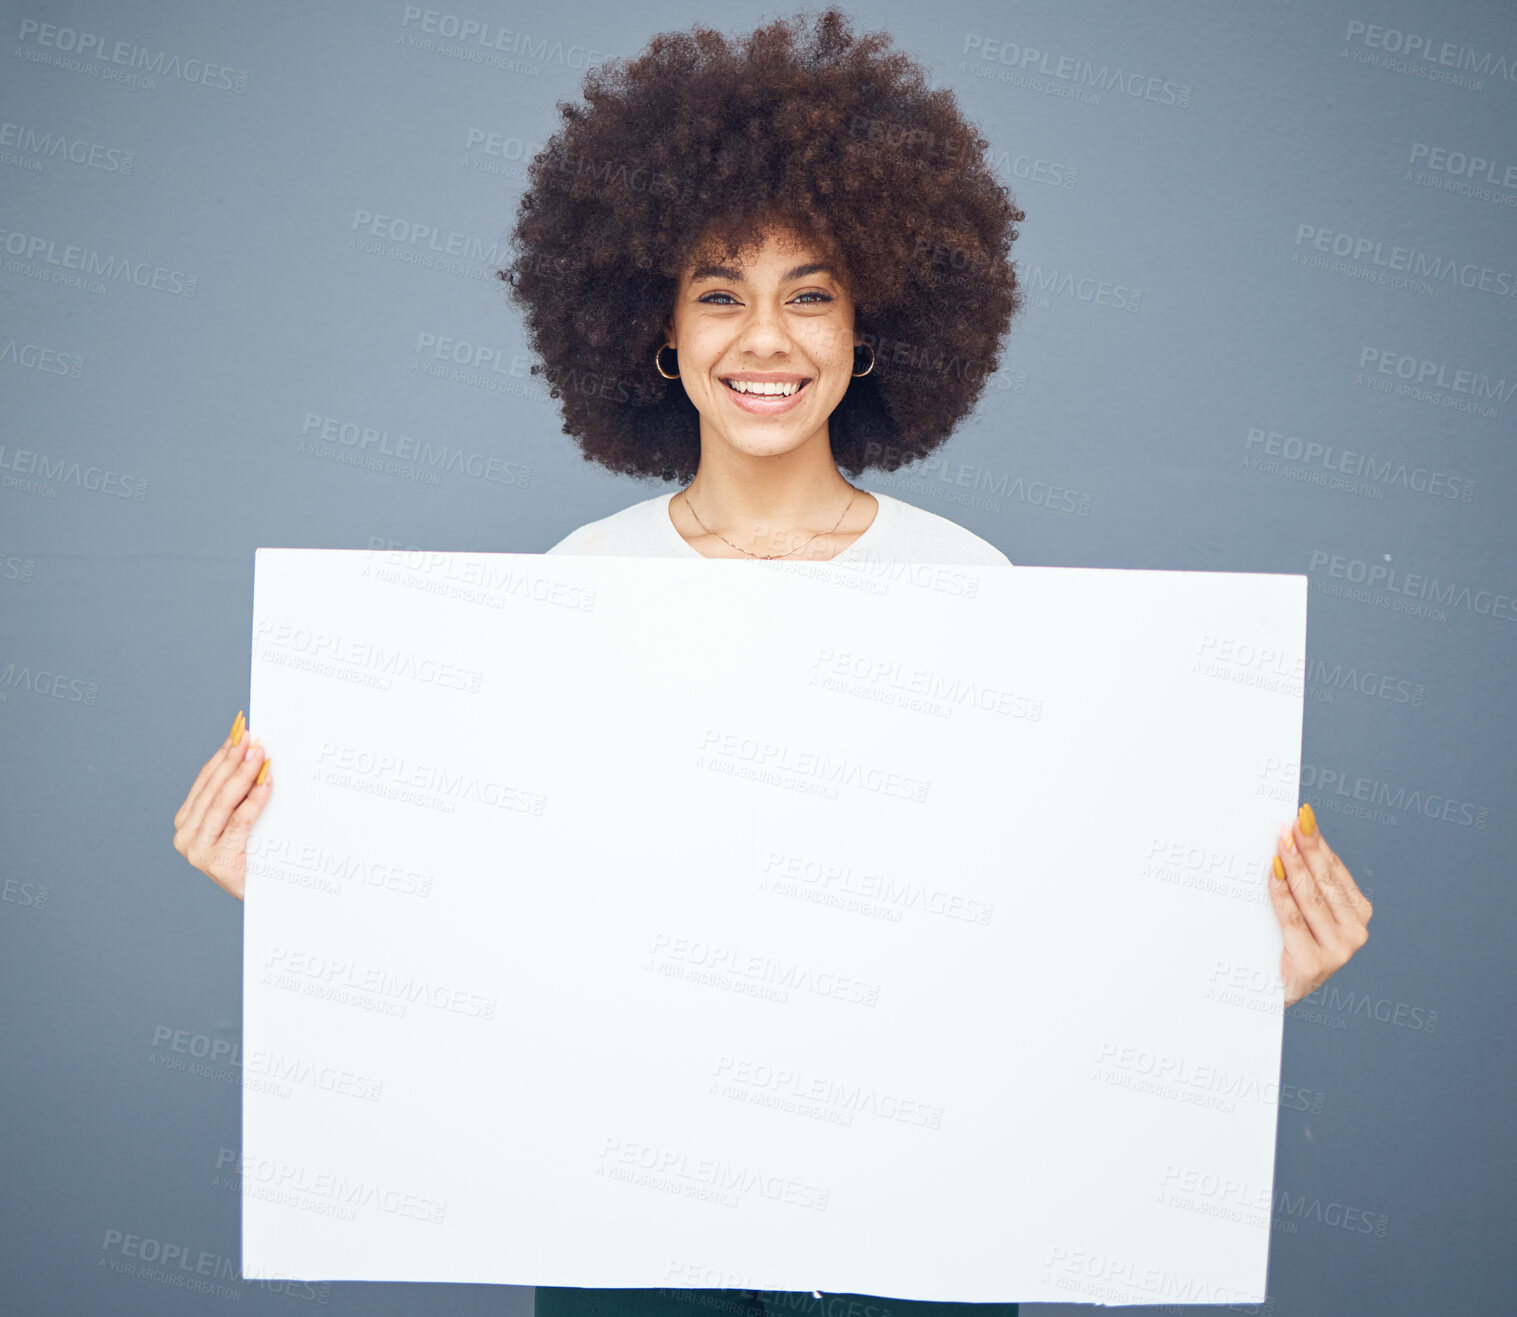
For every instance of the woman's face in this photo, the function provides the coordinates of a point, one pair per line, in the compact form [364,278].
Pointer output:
[774,322]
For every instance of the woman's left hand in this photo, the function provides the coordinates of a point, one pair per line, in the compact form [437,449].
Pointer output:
[1322,912]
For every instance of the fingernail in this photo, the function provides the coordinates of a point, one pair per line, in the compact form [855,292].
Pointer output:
[248,753]
[1308,819]
[1287,837]
[237,726]
[1279,869]
[262,773]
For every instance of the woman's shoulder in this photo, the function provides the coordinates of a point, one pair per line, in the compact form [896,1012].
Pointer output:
[912,534]
[633,530]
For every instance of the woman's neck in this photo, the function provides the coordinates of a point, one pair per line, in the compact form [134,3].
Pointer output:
[770,504]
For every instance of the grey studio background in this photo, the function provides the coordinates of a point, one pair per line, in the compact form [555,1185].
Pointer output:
[1271,267]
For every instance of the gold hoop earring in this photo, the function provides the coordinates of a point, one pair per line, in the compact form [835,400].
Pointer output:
[859,373]
[658,363]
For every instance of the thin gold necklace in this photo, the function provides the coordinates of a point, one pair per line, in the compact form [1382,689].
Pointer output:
[770,557]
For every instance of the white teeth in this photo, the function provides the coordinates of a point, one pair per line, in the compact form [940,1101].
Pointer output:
[756,386]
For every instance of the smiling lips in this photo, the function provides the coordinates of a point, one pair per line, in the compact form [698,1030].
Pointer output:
[764,394]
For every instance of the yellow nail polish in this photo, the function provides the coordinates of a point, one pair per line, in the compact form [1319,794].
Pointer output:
[262,773]
[1308,819]
[237,726]
[1279,869]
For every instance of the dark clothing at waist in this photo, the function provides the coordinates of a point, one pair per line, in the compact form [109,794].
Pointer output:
[568,1301]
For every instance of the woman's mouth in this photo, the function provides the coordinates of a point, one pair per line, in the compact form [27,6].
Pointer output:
[765,397]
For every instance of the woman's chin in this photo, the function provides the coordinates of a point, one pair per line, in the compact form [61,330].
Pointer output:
[763,440]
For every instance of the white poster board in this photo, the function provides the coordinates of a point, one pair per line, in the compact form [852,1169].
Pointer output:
[887,930]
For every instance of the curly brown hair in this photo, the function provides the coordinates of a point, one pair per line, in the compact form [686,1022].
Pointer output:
[700,141]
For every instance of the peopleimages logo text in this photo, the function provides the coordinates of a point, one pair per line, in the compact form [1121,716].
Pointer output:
[1380,576]
[1429,50]
[1435,374]
[1420,264]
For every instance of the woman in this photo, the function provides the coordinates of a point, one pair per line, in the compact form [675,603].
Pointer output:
[750,267]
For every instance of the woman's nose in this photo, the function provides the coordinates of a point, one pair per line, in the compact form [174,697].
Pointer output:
[764,328]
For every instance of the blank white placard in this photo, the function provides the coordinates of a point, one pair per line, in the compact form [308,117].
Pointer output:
[876,929]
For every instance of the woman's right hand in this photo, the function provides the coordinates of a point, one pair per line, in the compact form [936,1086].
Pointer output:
[211,827]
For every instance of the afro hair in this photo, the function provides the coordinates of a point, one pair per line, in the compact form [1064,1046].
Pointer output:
[810,130]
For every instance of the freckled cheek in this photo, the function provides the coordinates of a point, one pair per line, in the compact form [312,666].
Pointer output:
[697,361]
[838,367]
[831,353]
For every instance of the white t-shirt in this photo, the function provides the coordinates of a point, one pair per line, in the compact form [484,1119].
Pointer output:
[899,533]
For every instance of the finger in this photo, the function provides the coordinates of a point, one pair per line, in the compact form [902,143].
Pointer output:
[1349,904]
[1304,887]
[1300,945]
[233,736]
[221,767]
[231,869]
[189,823]
[235,836]
[188,835]
[223,799]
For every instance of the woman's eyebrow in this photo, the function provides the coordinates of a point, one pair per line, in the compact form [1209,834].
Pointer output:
[727,272]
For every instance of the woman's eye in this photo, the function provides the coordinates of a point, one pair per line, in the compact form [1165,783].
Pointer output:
[710,298]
